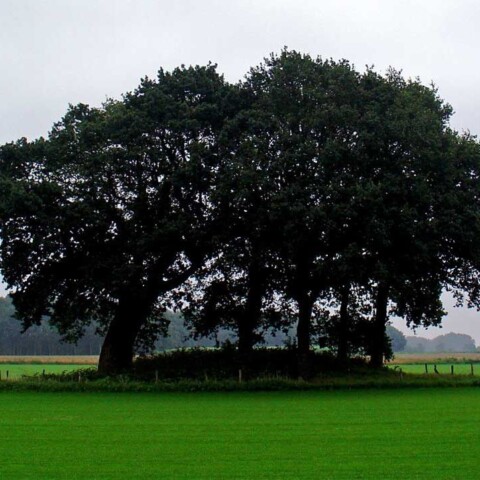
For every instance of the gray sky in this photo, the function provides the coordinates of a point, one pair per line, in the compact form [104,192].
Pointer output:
[56,52]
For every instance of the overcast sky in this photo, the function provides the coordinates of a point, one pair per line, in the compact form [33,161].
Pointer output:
[56,52]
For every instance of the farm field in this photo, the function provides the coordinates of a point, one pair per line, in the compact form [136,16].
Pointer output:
[51,359]
[16,370]
[442,368]
[434,358]
[369,434]
[16,366]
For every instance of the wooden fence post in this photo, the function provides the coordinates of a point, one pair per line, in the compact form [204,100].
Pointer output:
[426,368]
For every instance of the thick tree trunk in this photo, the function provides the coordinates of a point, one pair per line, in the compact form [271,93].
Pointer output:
[251,317]
[379,327]
[116,355]
[344,327]
[305,306]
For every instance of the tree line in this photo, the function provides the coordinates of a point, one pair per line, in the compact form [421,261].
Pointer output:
[40,339]
[309,196]
[44,340]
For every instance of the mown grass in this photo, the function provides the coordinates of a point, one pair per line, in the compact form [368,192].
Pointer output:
[368,434]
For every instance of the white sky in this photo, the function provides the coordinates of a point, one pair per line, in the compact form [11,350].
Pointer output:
[56,52]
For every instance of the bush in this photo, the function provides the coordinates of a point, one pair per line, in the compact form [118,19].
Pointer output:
[221,364]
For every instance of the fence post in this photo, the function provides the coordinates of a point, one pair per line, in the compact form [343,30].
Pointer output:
[471,369]
[451,369]
[7,374]
[426,368]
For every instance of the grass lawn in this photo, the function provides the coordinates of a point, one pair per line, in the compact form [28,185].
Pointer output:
[16,370]
[371,434]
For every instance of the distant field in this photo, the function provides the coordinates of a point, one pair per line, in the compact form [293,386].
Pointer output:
[442,368]
[51,359]
[435,358]
[368,434]
[16,370]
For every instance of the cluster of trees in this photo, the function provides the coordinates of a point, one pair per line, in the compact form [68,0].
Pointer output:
[308,195]
[450,342]
[43,339]
[40,339]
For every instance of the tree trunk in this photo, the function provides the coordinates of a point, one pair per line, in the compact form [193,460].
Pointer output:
[344,327]
[305,306]
[251,316]
[116,355]
[379,327]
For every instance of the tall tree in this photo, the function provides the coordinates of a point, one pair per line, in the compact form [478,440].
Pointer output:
[407,155]
[308,106]
[111,211]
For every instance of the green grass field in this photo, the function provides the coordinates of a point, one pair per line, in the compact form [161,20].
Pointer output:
[443,368]
[16,370]
[368,434]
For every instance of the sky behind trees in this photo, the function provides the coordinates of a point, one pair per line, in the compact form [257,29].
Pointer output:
[57,52]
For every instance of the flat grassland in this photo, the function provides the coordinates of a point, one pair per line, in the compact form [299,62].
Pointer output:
[368,434]
[14,367]
[51,359]
[15,371]
[434,358]
[442,368]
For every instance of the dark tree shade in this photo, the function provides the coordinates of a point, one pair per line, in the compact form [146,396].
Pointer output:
[309,194]
[111,211]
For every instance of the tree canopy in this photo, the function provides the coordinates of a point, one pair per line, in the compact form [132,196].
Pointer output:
[308,194]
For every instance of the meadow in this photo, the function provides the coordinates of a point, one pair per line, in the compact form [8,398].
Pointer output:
[15,371]
[367,434]
[442,368]
[441,357]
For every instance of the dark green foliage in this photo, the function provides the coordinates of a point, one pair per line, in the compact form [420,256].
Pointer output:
[308,196]
[110,213]
[204,364]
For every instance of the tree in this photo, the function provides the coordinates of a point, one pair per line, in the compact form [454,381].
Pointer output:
[397,338]
[341,198]
[303,108]
[412,181]
[111,211]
